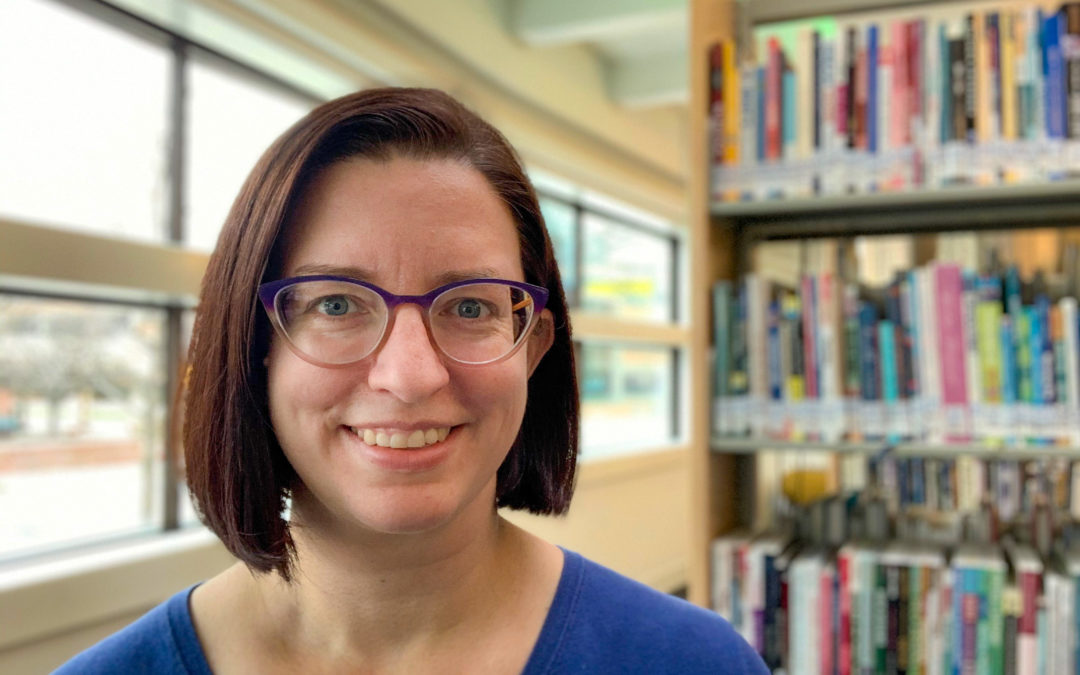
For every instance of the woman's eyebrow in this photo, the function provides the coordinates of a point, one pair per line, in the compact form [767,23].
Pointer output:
[465,275]
[332,270]
[365,275]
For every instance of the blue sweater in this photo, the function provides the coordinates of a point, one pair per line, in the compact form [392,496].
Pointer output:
[599,622]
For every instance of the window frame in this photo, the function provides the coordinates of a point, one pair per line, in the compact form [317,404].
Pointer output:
[52,280]
[672,334]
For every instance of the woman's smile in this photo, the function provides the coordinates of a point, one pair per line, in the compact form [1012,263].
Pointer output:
[402,451]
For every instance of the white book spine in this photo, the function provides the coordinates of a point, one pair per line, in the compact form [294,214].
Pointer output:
[804,86]
[1072,369]
[757,316]
[929,364]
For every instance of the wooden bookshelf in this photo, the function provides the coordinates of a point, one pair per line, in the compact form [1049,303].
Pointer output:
[722,234]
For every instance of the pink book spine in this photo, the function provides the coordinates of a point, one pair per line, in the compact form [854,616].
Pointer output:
[1027,636]
[915,69]
[898,119]
[951,347]
[826,620]
[843,657]
[773,106]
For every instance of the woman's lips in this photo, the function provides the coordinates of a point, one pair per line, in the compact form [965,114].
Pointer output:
[392,451]
[390,438]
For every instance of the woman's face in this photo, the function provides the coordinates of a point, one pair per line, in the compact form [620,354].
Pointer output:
[407,226]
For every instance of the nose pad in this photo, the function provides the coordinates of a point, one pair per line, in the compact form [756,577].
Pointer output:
[407,363]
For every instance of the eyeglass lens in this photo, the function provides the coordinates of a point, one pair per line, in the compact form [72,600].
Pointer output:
[336,322]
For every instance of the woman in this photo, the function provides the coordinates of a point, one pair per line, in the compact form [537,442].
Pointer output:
[381,358]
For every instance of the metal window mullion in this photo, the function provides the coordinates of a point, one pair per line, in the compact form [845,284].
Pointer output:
[579,255]
[173,338]
[676,395]
[676,270]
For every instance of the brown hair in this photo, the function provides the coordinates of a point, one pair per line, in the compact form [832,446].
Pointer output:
[237,474]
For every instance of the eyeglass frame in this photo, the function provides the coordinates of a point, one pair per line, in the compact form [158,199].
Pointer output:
[268,292]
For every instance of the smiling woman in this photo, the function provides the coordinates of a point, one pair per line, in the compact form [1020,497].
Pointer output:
[383,345]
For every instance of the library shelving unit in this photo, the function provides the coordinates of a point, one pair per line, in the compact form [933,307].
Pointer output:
[724,234]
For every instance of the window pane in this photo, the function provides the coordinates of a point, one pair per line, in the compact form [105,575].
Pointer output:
[628,272]
[560,219]
[82,417]
[626,398]
[232,120]
[83,130]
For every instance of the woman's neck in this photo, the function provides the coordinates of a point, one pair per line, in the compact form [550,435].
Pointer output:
[396,598]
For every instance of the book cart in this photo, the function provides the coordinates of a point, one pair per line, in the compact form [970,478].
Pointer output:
[885,598]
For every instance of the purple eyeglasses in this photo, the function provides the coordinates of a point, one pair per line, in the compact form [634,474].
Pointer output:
[336,321]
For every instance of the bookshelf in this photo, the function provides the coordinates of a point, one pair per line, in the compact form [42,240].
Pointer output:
[726,233]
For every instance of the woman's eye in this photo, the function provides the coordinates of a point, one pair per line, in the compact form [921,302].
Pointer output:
[334,305]
[470,309]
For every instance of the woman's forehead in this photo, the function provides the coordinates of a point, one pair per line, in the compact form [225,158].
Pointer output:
[379,216]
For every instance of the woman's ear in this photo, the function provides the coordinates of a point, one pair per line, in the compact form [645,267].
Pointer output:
[543,335]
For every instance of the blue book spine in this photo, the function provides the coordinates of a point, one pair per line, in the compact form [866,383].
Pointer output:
[788,112]
[771,654]
[1076,621]
[1035,341]
[1045,355]
[890,385]
[914,328]
[869,389]
[761,114]
[1009,390]
[944,91]
[872,87]
[918,481]
[903,481]
[776,384]
[1054,74]
[959,585]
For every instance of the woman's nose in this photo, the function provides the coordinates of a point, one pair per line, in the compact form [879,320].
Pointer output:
[407,364]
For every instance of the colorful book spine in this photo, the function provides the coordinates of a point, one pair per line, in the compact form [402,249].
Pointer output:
[1054,76]
[774,90]
[951,347]
[810,334]
[873,100]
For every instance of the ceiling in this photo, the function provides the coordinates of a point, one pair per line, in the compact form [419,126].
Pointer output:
[641,44]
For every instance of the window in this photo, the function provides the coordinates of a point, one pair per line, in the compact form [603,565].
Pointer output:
[83,126]
[225,139]
[619,269]
[87,369]
[561,220]
[627,398]
[628,272]
[82,410]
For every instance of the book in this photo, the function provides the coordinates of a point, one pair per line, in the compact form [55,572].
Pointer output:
[951,348]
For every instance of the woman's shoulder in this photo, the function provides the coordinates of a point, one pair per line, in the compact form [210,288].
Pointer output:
[602,621]
[161,641]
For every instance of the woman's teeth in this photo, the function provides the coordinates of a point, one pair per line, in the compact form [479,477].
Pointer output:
[402,439]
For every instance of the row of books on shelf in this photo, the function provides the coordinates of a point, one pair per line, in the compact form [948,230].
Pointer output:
[932,485]
[942,355]
[953,95]
[826,596]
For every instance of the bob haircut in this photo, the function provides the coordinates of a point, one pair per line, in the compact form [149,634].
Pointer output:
[237,474]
